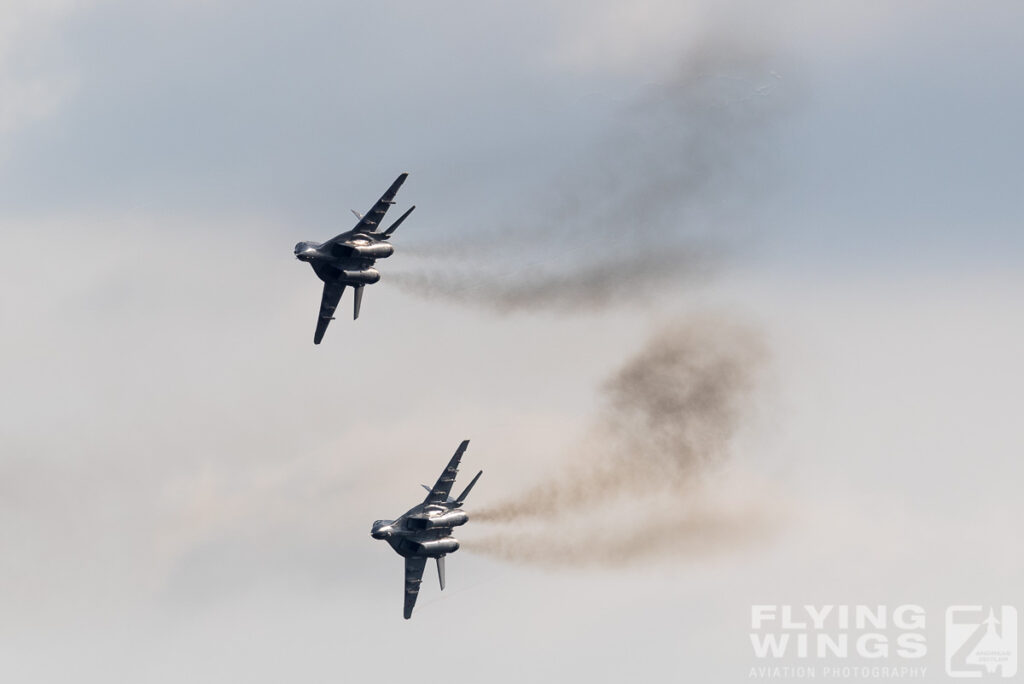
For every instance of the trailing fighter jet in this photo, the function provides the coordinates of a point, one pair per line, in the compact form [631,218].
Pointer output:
[425,531]
[347,259]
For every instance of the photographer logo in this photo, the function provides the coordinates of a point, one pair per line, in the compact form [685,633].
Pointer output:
[981,641]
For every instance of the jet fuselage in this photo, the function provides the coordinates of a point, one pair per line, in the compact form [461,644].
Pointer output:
[350,263]
[424,530]
[346,260]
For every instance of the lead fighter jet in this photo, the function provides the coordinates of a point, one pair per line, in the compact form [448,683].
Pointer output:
[425,531]
[347,259]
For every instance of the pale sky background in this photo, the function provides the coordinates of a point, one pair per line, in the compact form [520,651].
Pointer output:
[187,483]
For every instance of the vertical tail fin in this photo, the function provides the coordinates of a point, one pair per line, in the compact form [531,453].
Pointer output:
[393,226]
[358,301]
[440,571]
[465,492]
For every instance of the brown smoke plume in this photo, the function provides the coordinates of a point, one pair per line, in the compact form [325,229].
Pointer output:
[655,202]
[647,480]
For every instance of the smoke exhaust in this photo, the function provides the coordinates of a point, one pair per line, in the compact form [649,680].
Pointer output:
[656,203]
[649,478]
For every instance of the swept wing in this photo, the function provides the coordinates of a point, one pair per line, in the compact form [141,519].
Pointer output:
[370,221]
[443,487]
[328,303]
[414,566]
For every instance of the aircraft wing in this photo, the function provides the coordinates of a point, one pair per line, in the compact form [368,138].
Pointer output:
[443,487]
[328,303]
[370,221]
[413,576]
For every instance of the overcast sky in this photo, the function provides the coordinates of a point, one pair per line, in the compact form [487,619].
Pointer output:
[187,483]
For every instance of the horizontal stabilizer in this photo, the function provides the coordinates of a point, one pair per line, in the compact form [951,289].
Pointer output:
[358,215]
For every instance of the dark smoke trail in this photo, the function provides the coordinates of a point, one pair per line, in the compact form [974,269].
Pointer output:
[693,528]
[647,480]
[592,284]
[657,202]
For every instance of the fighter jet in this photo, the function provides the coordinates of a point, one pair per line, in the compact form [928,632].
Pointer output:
[347,259]
[426,530]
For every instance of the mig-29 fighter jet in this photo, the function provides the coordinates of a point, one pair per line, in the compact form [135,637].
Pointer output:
[347,259]
[425,531]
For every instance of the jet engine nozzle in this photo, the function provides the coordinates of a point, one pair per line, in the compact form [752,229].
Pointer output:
[436,547]
[367,276]
[450,519]
[379,250]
